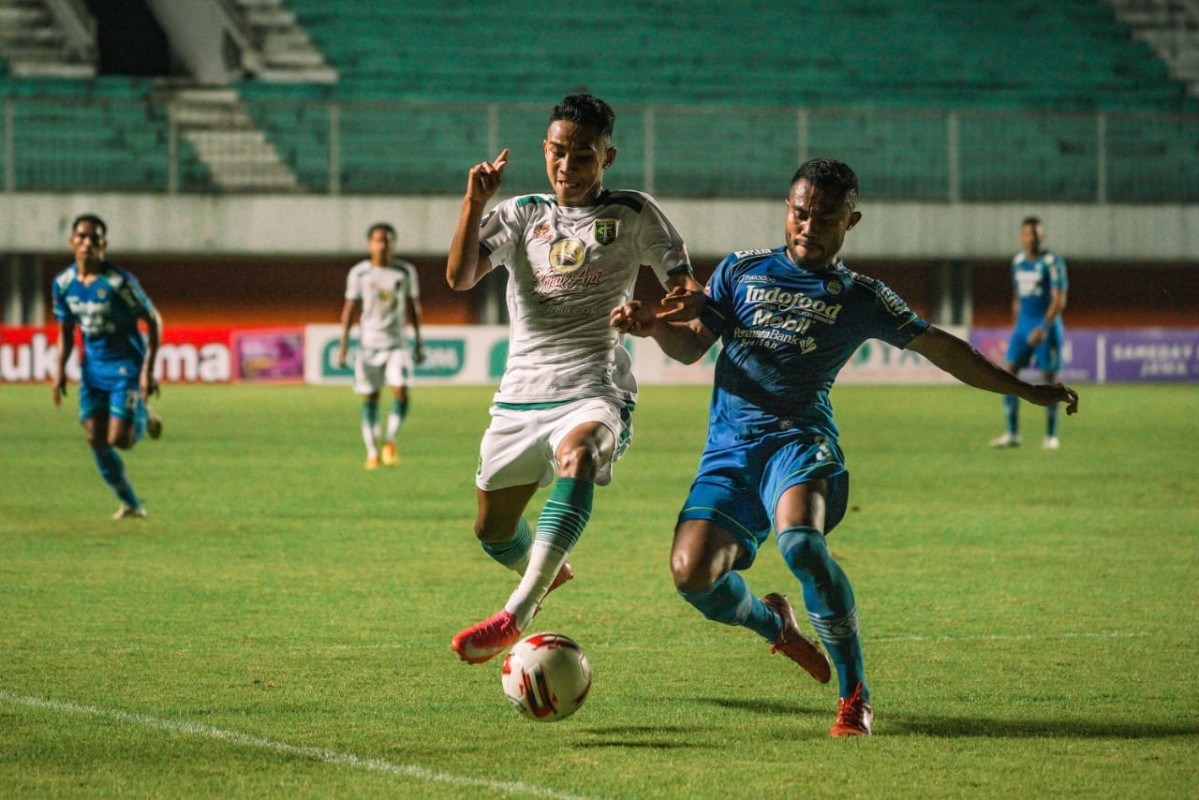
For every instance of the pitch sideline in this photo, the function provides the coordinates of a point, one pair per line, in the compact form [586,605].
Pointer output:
[313,753]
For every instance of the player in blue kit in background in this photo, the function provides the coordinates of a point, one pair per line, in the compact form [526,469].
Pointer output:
[1038,300]
[789,319]
[117,369]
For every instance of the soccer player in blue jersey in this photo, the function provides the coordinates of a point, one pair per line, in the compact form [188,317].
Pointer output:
[1038,300]
[106,303]
[789,319]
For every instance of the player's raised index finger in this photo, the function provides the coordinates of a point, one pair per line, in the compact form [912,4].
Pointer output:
[501,160]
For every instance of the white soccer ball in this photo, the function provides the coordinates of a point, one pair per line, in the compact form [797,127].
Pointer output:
[546,676]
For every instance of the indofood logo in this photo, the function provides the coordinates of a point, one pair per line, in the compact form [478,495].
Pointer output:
[783,301]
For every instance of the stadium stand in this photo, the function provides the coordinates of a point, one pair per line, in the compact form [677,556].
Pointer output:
[990,100]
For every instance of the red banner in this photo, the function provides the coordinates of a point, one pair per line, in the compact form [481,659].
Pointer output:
[204,355]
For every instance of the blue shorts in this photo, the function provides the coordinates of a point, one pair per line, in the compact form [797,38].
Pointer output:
[112,393]
[738,487]
[1047,356]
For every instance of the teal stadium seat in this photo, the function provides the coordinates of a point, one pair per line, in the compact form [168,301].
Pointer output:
[732,94]
[105,134]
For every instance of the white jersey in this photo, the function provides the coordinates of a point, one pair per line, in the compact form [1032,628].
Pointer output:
[385,293]
[568,268]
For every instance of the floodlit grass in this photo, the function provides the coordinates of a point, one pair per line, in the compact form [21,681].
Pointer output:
[279,626]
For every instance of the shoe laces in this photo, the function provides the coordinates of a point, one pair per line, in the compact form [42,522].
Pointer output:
[850,706]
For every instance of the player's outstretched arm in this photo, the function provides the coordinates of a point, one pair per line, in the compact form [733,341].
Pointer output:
[685,342]
[465,265]
[970,367]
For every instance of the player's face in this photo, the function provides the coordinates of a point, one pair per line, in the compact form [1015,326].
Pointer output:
[816,224]
[88,243]
[382,247]
[1032,236]
[575,159]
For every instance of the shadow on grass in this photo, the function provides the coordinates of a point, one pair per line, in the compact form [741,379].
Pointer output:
[1033,728]
[761,707]
[645,737]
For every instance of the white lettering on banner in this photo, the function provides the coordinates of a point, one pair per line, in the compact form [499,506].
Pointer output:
[36,361]
[442,358]
[209,363]
[1152,351]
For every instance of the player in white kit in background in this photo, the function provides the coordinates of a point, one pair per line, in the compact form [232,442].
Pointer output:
[387,292]
[563,411]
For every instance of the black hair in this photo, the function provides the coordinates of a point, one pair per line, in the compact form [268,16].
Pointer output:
[585,109]
[1030,221]
[828,173]
[380,226]
[92,218]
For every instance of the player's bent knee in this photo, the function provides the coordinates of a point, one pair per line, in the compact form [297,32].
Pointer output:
[690,574]
[581,462]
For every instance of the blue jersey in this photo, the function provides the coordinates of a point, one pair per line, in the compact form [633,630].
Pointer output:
[786,333]
[106,311]
[1033,281]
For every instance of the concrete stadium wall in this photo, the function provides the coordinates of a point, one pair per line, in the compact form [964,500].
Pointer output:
[207,225]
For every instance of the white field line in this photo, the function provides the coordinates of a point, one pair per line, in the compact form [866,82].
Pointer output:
[313,753]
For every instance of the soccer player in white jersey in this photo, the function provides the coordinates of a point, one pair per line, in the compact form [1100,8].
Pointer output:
[789,318]
[387,292]
[562,413]
[1038,300]
[106,304]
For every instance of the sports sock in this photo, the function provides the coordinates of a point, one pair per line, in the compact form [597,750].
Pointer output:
[370,419]
[514,552]
[729,600]
[559,527]
[829,599]
[112,469]
[1051,420]
[395,418]
[1011,408]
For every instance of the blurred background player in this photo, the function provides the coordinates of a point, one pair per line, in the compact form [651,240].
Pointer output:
[106,303]
[386,291]
[789,319]
[1038,300]
[564,405]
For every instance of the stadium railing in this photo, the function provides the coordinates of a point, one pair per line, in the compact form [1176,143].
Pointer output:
[54,144]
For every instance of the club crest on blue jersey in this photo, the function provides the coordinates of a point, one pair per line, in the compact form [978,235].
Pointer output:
[606,230]
[567,255]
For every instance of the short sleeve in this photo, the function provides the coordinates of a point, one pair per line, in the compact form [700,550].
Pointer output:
[659,245]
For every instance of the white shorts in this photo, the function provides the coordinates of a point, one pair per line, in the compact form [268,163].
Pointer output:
[374,369]
[518,447]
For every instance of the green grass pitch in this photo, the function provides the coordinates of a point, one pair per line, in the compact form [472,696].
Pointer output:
[279,626]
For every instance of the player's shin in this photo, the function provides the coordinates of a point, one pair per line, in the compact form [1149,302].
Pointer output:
[112,469]
[370,423]
[395,418]
[513,553]
[828,597]
[730,601]
[1011,413]
[559,527]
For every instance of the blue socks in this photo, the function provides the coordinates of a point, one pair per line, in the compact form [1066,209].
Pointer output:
[729,601]
[112,469]
[1051,420]
[829,599]
[1011,412]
